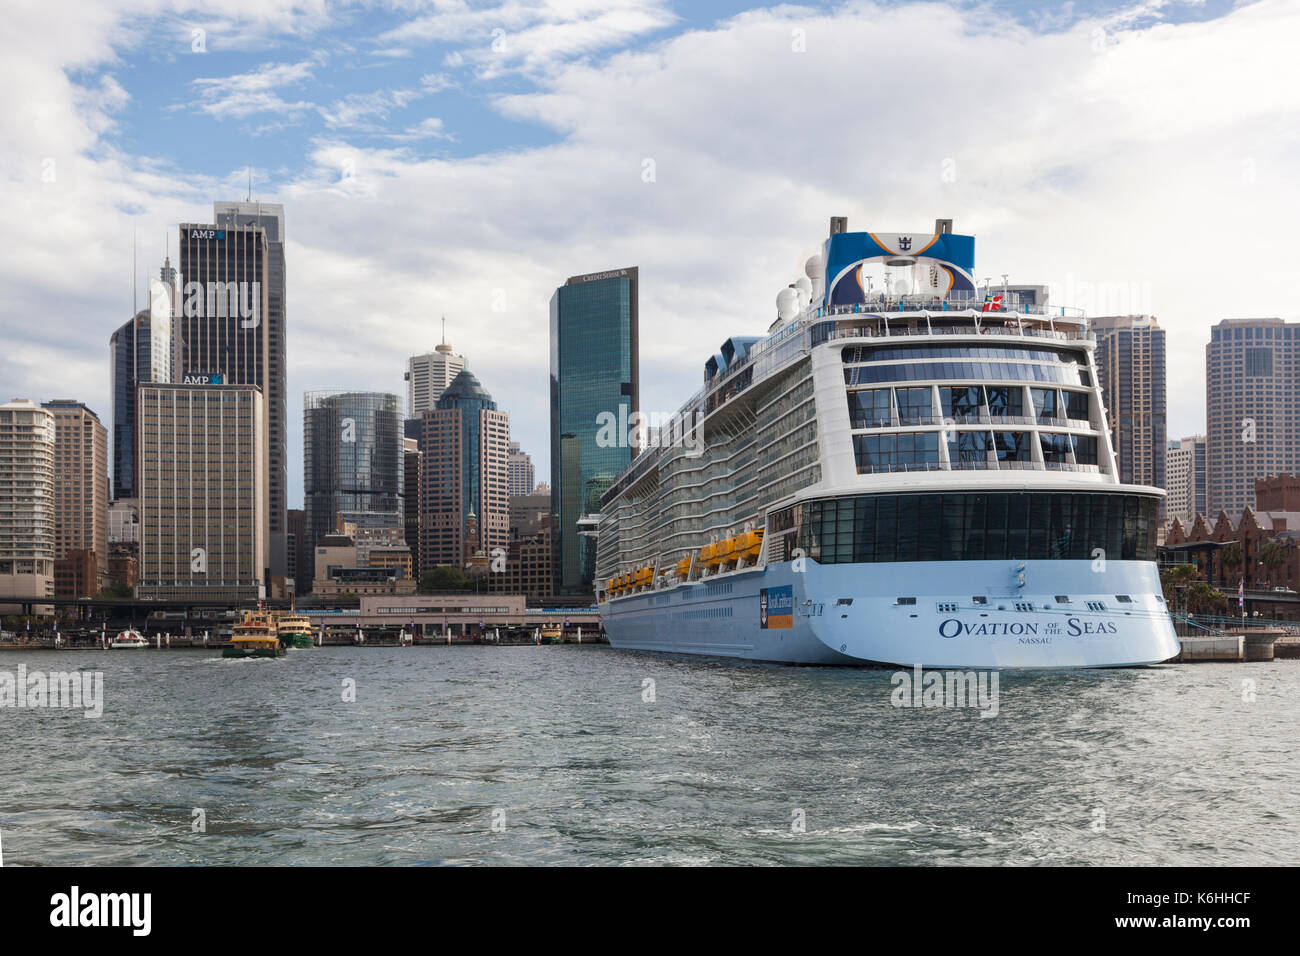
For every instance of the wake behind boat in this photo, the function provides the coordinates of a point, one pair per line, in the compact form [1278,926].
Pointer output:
[906,469]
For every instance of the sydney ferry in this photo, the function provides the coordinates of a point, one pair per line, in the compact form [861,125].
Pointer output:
[909,467]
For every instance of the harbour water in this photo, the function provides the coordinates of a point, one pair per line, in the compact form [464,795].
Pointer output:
[567,755]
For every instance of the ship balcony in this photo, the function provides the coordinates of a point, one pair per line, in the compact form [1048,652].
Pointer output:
[994,465]
[848,322]
[913,418]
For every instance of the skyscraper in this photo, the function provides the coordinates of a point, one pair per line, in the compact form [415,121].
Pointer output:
[352,459]
[1252,408]
[463,499]
[225,335]
[593,376]
[202,492]
[27,439]
[427,375]
[140,351]
[1131,368]
[1185,476]
[80,485]
[270,218]
[411,464]
[519,471]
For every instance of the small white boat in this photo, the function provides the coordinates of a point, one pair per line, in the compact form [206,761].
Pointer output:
[129,639]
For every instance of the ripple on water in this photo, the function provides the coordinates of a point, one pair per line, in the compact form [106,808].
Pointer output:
[537,755]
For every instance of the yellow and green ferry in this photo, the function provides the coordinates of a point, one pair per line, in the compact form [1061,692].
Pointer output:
[257,635]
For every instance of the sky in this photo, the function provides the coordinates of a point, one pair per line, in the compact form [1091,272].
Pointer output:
[438,157]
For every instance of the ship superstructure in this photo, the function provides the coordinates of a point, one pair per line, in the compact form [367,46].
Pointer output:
[917,472]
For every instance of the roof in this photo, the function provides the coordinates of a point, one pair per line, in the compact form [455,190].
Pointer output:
[465,386]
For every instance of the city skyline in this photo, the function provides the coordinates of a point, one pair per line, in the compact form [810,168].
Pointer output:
[1104,218]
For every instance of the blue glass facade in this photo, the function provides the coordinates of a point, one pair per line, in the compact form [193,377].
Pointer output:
[131,363]
[593,374]
[352,457]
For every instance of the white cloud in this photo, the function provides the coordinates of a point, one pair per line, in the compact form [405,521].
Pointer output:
[241,95]
[428,128]
[1090,170]
[532,36]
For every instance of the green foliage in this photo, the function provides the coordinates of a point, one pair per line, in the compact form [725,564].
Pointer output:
[1203,599]
[442,578]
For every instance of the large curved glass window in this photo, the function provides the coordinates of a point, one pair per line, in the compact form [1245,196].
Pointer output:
[925,371]
[1005,400]
[1076,405]
[969,446]
[1056,447]
[870,408]
[1013,446]
[1085,449]
[969,526]
[961,402]
[867,353]
[889,452]
[914,406]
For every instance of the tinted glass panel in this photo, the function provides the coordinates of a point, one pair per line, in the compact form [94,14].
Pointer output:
[965,526]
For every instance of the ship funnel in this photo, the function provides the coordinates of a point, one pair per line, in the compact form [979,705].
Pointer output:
[839,224]
[942,226]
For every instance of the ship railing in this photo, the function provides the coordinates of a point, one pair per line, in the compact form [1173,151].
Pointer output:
[892,333]
[980,465]
[934,304]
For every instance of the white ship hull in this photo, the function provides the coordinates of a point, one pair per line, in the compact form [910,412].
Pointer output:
[945,627]
[926,480]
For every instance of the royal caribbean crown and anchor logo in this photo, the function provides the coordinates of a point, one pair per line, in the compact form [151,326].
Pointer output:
[776,608]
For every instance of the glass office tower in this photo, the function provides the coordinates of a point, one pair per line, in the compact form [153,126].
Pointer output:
[139,352]
[593,375]
[269,217]
[352,457]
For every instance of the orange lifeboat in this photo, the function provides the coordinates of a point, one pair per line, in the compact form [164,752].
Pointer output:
[749,544]
[709,556]
[683,567]
[727,553]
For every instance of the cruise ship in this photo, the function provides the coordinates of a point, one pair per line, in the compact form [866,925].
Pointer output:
[911,467]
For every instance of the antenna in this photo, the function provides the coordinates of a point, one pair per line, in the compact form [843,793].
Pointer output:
[249,197]
[135,275]
[444,330]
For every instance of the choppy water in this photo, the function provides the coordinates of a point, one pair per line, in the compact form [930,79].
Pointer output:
[559,748]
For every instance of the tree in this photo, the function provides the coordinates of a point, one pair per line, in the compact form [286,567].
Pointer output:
[1174,581]
[1230,556]
[1203,599]
[442,578]
[1272,555]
